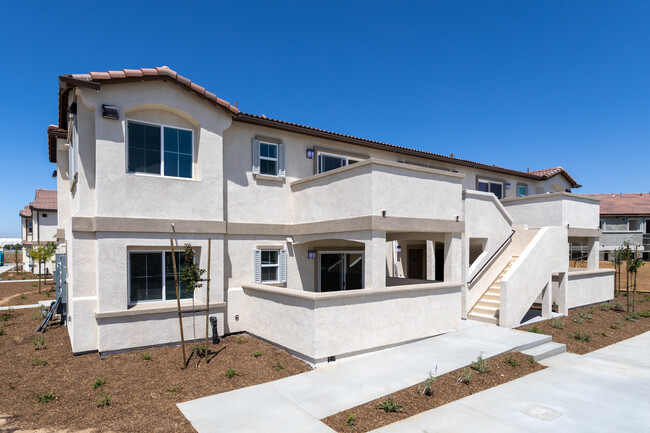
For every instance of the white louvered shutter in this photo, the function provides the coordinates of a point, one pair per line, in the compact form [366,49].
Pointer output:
[256,157]
[283,266]
[257,266]
[282,172]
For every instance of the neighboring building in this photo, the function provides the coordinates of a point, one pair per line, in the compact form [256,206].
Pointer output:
[624,217]
[323,243]
[38,226]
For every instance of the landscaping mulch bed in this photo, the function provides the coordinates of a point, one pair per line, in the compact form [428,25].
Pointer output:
[16,276]
[446,388]
[143,393]
[10,293]
[601,326]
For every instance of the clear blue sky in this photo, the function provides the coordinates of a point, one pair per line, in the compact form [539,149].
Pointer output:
[514,83]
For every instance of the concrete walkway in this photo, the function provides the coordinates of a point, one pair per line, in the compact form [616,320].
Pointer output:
[603,391]
[296,403]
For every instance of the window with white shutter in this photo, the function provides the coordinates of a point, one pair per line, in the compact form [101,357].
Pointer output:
[268,158]
[270,266]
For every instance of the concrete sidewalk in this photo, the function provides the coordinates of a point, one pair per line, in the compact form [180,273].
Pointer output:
[603,391]
[296,403]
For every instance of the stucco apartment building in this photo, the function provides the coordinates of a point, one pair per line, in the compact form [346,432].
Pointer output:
[624,217]
[38,226]
[323,243]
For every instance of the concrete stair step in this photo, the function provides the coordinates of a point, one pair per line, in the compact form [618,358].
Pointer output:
[490,303]
[495,292]
[491,297]
[483,318]
[545,350]
[491,311]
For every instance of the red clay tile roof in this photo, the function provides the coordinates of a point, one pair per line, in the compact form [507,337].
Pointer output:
[45,200]
[550,172]
[631,203]
[163,72]
[159,73]
[27,212]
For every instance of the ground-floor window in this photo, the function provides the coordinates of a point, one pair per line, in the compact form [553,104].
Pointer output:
[340,270]
[270,266]
[151,276]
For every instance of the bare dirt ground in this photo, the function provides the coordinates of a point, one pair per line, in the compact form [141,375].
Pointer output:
[25,293]
[586,329]
[49,388]
[446,388]
[642,277]
[15,276]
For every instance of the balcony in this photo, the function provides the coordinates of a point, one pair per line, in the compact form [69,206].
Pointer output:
[378,189]
[556,209]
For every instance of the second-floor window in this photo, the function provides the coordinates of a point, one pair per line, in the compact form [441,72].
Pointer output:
[330,161]
[494,187]
[522,190]
[29,227]
[159,149]
[268,158]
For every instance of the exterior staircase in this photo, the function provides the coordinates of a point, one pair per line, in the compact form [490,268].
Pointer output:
[487,307]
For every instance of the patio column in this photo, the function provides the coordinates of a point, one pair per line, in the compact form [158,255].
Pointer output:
[375,260]
[593,247]
[547,299]
[561,294]
[431,260]
[453,257]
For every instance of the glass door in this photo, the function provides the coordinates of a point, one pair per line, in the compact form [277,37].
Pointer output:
[340,270]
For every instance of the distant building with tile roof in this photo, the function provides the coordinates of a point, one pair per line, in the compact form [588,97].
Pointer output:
[624,217]
[39,223]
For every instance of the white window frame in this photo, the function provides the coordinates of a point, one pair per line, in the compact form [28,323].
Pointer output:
[266,158]
[276,265]
[30,227]
[488,181]
[346,158]
[344,252]
[164,283]
[162,127]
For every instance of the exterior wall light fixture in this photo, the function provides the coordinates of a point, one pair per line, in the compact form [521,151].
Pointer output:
[311,254]
[507,186]
[310,153]
[398,249]
[110,112]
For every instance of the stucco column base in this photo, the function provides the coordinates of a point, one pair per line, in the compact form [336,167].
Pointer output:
[561,294]
[547,299]
[453,257]
[375,260]
[593,247]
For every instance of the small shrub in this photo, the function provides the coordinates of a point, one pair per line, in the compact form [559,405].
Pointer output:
[350,419]
[617,306]
[278,365]
[582,336]
[584,315]
[557,324]
[531,360]
[578,320]
[426,387]
[390,405]
[39,362]
[632,317]
[465,376]
[5,316]
[240,340]
[104,400]
[37,315]
[12,386]
[605,306]
[34,284]
[39,343]
[174,390]
[146,356]
[256,354]
[604,334]
[512,361]
[613,326]
[592,309]
[645,314]
[199,350]
[2,331]
[46,398]
[99,382]
[534,330]
[23,296]
[231,372]
[481,365]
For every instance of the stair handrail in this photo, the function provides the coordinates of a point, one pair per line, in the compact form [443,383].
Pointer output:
[469,283]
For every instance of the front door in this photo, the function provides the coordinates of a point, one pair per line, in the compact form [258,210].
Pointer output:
[340,271]
[416,263]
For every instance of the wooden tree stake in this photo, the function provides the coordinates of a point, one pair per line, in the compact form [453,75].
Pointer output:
[207,302]
[178,302]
